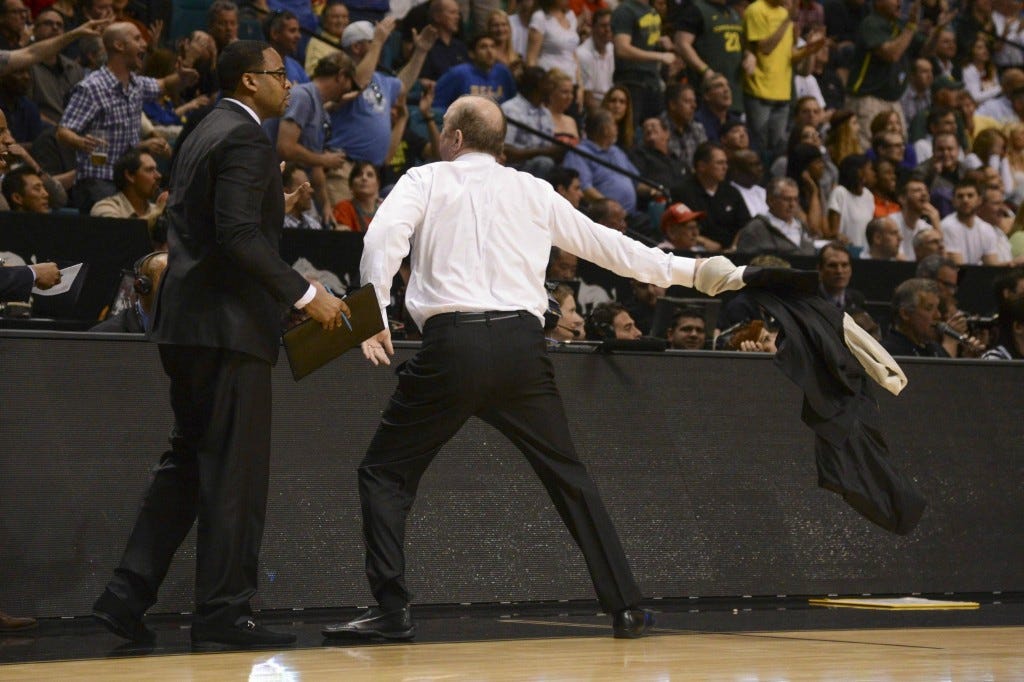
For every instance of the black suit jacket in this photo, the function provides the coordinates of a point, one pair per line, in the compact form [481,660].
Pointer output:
[226,285]
[16,283]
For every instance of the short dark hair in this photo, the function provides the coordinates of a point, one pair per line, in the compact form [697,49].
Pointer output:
[358,167]
[831,246]
[937,114]
[688,312]
[704,151]
[849,171]
[238,58]
[15,181]
[602,318]
[477,38]
[929,266]
[673,91]
[560,176]
[477,132]
[1007,282]
[333,64]
[276,20]
[218,6]
[531,81]
[130,162]
[597,120]
[289,173]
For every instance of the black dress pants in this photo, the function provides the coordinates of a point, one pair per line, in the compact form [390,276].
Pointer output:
[217,470]
[499,371]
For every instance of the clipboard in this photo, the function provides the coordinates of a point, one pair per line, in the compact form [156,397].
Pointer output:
[309,346]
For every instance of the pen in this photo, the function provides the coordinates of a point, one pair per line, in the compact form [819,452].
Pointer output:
[344,318]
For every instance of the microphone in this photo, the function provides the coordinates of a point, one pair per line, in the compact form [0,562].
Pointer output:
[572,330]
[952,333]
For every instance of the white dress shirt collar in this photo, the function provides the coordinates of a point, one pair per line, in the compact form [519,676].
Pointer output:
[246,107]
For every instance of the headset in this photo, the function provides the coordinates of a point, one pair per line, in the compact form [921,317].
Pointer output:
[142,284]
[599,324]
[554,312]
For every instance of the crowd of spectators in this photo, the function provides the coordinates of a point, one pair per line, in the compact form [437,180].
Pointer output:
[832,128]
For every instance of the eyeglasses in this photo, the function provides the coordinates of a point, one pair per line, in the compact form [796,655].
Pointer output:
[280,74]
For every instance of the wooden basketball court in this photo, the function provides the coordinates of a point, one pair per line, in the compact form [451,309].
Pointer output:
[927,653]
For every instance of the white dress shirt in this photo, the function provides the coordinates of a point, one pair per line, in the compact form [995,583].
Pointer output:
[480,236]
[755,197]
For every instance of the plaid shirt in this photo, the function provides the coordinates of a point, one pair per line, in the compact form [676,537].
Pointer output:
[101,105]
[683,142]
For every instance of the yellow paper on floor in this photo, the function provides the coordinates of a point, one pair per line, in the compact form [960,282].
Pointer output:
[893,603]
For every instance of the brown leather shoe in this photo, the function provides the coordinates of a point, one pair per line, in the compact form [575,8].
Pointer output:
[15,624]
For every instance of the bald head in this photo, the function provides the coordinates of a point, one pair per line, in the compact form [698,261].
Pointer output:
[473,123]
[121,31]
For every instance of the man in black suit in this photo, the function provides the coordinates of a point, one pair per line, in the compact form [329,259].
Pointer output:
[217,320]
[835,270]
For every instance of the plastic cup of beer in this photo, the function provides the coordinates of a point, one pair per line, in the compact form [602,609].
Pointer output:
[98,156]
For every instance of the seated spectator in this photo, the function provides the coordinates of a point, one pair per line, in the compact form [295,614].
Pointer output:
[53,77]
[609,213]
[979,73]
[706,190]
[599,181]
[1011,332]
[448,50]
[918,95]
[753,337]
[687,330]
[104,114]
[928,242]
[946,274]
[734,137]
[561,266]
[523,149]
[653,161]
[969,239]
[685,132]
[943,171]
[843,137]
[988,151]
[779,230]
[619,102]
[169,113]
[482,75]
[137,181]
[915,314]
[596,57]
[611,320]
[570,326]
[807,168]
[1009,286]
[137,317]
[996,212]
[745,173]
[558,99]
[333,20]
[717,108]
[884,189]
[883,238]
[566,182]
[889,141]
[1007,107]
[222,23]
[357,213]
[281,30]
[23,119]
[500,28]
[742,307]
[24,191]
[851,204]
[940,120]
[681,228]
[945,95]
[644,301]
[835,270]
[302,215]
[916,215]
[16,154]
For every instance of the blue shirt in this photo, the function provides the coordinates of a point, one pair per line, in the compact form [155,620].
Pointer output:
[362,128]
[606,181]
[296,74]
[467,79]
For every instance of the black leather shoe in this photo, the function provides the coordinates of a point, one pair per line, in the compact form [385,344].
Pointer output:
[245,633]
[632,623]
[375,623]
[114,615]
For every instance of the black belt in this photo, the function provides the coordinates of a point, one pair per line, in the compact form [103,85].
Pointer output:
[488,316]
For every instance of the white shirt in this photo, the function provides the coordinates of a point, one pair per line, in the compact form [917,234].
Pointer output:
[520,34]
[791,230]
[480,236]
[1007,55]
[596,70]
[1000,109]
[855,212]
[311,291]
[907,234]
[980,89]
[755,197]
[558,48]
[972,243]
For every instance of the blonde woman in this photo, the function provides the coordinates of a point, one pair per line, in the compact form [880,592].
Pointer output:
[500,28]
[1015,156]
[843,136]
[558,100]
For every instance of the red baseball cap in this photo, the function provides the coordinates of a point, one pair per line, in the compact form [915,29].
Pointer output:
[679,213]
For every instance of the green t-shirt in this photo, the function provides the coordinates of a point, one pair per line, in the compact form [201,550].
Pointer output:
[720,45]
[643,25]
[874,76]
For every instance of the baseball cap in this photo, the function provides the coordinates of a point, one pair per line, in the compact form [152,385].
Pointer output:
[355,32]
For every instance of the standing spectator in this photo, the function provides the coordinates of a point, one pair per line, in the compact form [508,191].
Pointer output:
[222,23]
[918,95]
[333,21]
[944,55]
[302,131]
[500,28]
[620,103]
[709,38]
[882,57]
[1006,19]
[104,113]
[523,149]
[883,237]
[448,50]
[482,75]
[717,109]
[355,214]
[969,239]
[138,182]
[687,330]
[639,55]
[599,182]
[553,39]
[596,57]
[707,190]
[53,77]
[685,133]
[23,119]
[24,191]
[835,271]
[851,205]
[915,312]
[779,230]
[15,24]
[520,23]
[281,30]
[975,19]
[916,215]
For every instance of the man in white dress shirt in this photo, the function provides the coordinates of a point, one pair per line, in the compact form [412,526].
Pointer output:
[482,234]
